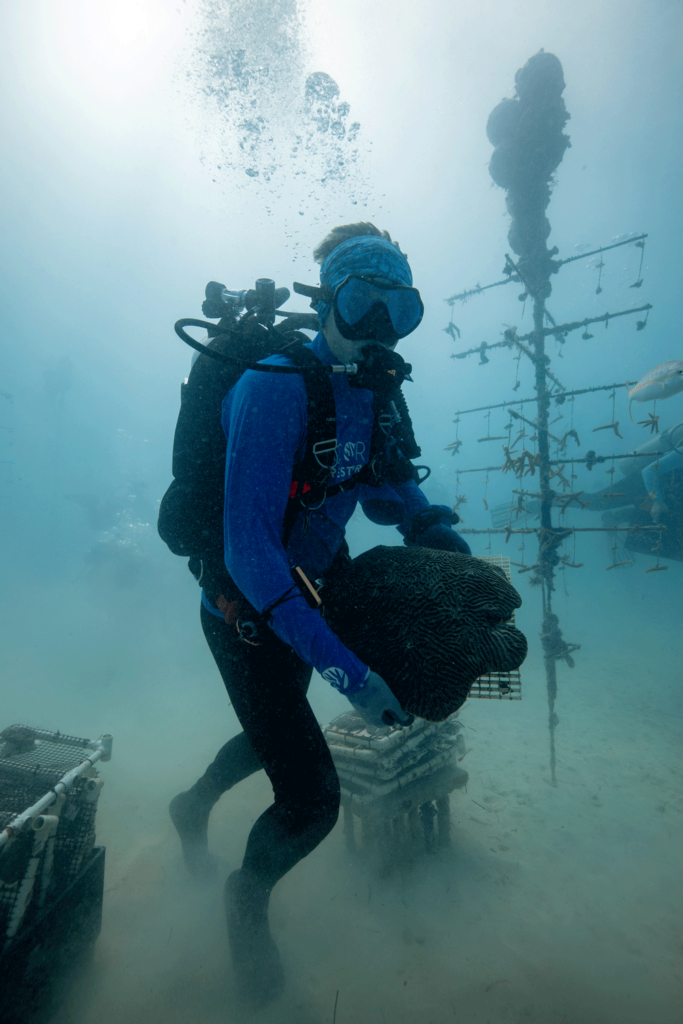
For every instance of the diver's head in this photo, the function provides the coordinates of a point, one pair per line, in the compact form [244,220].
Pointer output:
[369,283]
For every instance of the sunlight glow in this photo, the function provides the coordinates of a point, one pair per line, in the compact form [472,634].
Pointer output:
[102,57]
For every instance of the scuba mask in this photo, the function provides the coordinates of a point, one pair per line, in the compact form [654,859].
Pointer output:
[372,308]
[369,308]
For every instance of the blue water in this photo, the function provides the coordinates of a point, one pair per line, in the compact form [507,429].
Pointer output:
[129,130]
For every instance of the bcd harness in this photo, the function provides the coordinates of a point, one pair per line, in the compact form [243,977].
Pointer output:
[310,487]
[191,512]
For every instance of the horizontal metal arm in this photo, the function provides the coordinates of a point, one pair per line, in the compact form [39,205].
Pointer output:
[565,462]
[478,289]
[572,529]
[557,329]
[604,248]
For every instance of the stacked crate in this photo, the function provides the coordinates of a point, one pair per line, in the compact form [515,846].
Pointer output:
[397,782]
[51,873]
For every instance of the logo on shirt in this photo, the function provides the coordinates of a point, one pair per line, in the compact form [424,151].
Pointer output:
[337,677]
[354,450]
[354,459]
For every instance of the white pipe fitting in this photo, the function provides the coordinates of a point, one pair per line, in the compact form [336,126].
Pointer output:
[105,743]
[101,751]
[92,790]
[44,824]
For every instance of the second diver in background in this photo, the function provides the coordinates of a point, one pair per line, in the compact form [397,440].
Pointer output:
[650,491]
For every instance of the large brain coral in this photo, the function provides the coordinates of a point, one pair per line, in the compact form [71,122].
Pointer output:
[429,622]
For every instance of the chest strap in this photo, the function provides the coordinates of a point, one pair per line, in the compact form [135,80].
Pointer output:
[310,486]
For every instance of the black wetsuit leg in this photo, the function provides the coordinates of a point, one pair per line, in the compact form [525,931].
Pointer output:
[267,686]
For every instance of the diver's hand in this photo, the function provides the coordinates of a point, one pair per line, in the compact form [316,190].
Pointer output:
[376,704]
[443,538]
[431,528]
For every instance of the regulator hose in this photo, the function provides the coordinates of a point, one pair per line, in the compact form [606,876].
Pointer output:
[246,364]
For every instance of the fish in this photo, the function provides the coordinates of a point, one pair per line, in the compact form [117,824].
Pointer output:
[662,382]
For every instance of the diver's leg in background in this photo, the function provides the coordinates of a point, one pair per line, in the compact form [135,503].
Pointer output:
[236,760]
[657,479]
[630,488]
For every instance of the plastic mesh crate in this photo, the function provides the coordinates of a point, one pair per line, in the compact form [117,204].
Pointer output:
[35,864]
[396,785]
[373,763]
[498,685]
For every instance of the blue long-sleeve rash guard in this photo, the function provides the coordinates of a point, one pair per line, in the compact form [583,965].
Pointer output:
[264,418]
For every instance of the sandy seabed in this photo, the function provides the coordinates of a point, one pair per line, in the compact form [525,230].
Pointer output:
[555,905]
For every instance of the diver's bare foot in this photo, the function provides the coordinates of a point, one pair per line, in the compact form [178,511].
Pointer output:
[191,819]
[255,956]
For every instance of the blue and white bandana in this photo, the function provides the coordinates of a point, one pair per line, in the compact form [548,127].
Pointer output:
[366,256]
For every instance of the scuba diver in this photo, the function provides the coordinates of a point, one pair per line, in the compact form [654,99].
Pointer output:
[650,491]
[287,450]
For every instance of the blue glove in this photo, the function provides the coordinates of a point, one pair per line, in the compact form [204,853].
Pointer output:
[443,538]
[431,528]
[376,704]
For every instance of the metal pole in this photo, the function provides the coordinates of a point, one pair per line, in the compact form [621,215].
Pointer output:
[546,551]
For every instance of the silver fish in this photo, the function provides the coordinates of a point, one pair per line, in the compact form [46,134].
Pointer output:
[662,382]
